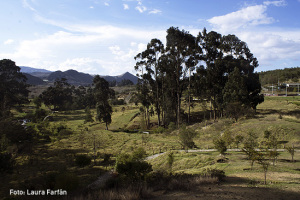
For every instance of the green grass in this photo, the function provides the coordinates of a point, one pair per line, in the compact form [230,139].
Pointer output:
[58,155]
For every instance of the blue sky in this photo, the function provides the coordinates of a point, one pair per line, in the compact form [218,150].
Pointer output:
[103,36]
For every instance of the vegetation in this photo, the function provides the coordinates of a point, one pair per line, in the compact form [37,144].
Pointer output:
[49,141]
[280,76]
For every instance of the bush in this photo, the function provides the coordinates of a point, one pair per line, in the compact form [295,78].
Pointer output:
[133,166]
[186,137]
[159,130]
[82,160]
[220,145]
[213,172]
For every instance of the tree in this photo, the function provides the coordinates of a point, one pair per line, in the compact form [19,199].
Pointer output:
[235,95]
[250,144]
[264,163]
[102,93]
[13,87]
[150,57]
[59,95]
[186,137]
[291,150]
[88,115]
[220,145]
[180,48]
[238,139]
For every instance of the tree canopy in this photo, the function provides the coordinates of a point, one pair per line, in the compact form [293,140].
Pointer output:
[213,68]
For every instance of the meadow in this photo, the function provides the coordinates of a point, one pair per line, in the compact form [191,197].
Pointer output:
[55,157]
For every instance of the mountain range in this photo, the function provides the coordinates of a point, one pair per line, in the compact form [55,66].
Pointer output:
[41,76]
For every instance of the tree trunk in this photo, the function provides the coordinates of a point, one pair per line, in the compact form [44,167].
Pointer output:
[265,177]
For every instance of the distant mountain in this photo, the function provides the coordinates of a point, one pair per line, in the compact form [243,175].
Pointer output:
[121,77]
[73,77]
[33,80]
[30,70]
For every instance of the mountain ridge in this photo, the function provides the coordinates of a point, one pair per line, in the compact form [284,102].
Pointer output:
[73,77]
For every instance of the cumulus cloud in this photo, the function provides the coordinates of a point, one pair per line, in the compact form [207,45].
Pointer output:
[270,45]
[249,16]
[103,49]
[125,6]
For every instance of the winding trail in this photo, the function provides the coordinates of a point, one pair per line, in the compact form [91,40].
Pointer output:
[208,150]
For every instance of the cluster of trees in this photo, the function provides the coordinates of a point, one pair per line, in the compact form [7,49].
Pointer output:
[210,67]
[280,75]
[63,96]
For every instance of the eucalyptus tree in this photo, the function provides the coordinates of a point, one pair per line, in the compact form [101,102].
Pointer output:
[150,59]
[214,81]
[102,93]
[242,58]
[180,47]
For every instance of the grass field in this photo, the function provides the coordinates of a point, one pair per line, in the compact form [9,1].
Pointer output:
[57,156]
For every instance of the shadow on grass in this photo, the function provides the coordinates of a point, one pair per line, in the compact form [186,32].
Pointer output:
[231,188]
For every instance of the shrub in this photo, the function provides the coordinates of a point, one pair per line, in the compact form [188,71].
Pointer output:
[82,160]
[133,166]
[213,172]
[171,126]
[186,137]
[220,145]
[159,130]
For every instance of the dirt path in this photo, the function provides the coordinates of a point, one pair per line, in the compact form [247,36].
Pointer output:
[206,150]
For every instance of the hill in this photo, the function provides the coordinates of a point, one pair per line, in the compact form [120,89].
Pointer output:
[33,80]
[118,79]
[30,70]
[290,75]
[78,78]
[74,77]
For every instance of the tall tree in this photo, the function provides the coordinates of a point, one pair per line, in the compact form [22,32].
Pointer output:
[13,87]
[180,45]
[150,58]
[102,93]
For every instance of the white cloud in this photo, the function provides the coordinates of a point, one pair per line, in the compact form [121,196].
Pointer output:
[106,3]
[27,5]
[270,45]
[155,11]
[91,49]
[276,3]
[9,41]
[249,16]
[91,7]
[126,7]
[141,8]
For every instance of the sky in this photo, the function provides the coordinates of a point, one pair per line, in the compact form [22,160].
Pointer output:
[103,36]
